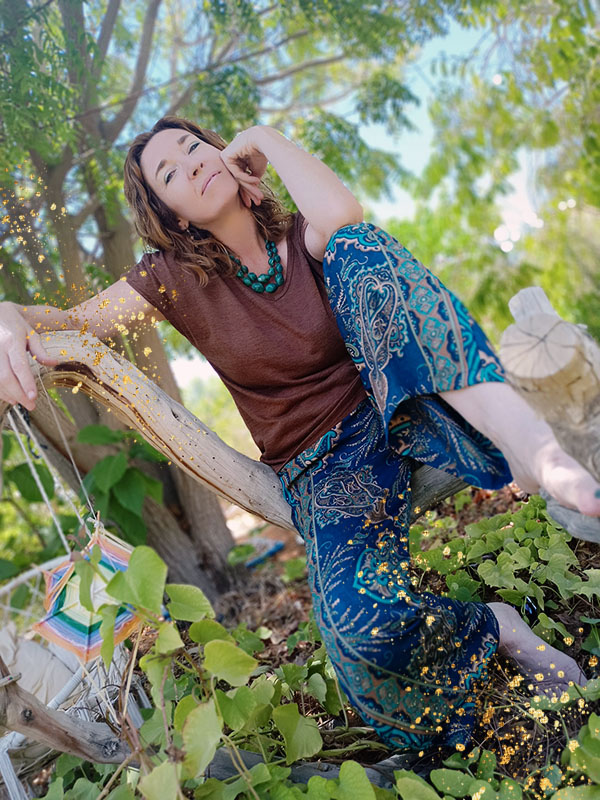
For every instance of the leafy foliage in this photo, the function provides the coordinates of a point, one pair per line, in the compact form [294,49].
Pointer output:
[212,689]
[119,488]
[519,556]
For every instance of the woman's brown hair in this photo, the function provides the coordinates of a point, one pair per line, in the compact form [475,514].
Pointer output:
[156,224]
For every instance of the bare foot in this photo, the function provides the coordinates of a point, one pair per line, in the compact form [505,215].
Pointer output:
[549,669]
[535,458]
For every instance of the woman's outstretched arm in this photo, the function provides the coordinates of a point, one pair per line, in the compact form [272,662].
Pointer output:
[21,328]
[325,202]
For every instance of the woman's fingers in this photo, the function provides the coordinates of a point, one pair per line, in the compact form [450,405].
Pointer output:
[253,193]
[39,352]
[16,379]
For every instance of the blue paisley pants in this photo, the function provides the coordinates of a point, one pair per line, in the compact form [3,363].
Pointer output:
[409,662]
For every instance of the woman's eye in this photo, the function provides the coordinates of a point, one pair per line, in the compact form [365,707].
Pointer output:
[169,175]
[193,146]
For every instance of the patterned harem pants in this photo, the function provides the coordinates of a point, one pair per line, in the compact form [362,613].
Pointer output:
[409,662]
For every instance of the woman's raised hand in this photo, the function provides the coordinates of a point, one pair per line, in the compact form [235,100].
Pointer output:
[17,384]
[246,161]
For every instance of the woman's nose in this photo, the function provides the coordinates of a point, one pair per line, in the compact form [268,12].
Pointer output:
[196,169]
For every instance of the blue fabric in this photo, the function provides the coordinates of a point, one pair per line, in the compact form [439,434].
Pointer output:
[408,661]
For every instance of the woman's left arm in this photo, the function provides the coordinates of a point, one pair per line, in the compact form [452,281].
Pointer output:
[320,195]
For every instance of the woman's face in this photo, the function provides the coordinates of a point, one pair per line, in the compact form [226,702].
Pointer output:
[187,174]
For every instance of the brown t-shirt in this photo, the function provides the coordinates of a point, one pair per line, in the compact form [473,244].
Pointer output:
[280,355]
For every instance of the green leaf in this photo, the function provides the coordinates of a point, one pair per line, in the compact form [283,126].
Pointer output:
[201,735]
[451,781]
[510,790]
[153,729]
[354,783]
[143,583]
[578,793]
[141,449]
[293,674]
[130,491]
[55,791]
[154,666]
[228,662]
[460,761]
[236,707]
[486,766]
[168,639]
[188,603]
[317,687]
[499,573]
[123,792]
[109,471]
[132,526]
[412,787]
[212,789]
[23,479]
[249,641]
[107,632]
[591,587]
[20,597]
[162,783]
[154,488]
[7,569]
[301,735]
[65,764]
[483,790]
[208,629]
[99,434]
[82,790]
[592,642]
[85,571]
[187,703]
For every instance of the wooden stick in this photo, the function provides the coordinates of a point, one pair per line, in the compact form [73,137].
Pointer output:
[22,712]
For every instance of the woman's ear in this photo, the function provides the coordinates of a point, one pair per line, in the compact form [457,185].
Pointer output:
[183,224]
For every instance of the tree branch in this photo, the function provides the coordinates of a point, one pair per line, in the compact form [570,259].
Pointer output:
[311,64]
[114,127]
[106,31]
[22,712]
[187,92]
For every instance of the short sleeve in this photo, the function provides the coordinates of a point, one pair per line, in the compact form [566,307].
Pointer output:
[299,226]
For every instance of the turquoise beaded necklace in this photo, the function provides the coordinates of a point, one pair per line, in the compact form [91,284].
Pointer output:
[269,281]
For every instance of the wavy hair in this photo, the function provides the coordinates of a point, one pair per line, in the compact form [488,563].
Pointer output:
[195,248]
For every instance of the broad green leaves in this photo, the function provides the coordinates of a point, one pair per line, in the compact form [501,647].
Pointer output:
[228,662]
[162,783]
[188,603]
[201,735]
[301,735]
[144,581]
[118,488]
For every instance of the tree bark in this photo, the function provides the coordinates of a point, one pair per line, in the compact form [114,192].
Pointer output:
[22,712]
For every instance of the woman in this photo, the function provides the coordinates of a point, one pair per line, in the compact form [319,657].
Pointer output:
[243,281]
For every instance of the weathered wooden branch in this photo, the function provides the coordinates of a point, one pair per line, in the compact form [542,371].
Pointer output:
[87,365]
[22,712]
[555,366]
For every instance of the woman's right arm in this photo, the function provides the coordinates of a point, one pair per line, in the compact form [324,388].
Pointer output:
[20,328]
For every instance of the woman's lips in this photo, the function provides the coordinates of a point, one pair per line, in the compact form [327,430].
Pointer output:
[208,180]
